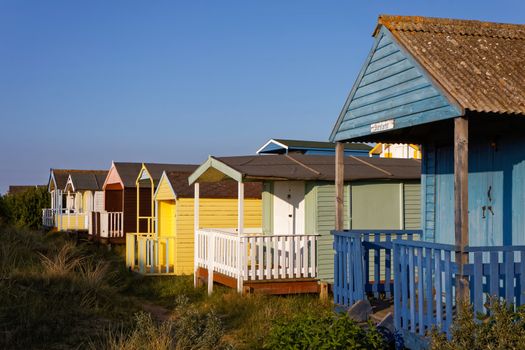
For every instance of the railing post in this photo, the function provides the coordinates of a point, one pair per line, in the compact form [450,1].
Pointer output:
[240,228]
[196,242]
[211,260]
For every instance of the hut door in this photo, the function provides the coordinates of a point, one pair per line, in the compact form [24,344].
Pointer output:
[289,207]
[484,192]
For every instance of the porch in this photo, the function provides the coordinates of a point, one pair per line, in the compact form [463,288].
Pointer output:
[413,273]
[69,220]
[106,227]
[255,262]
[148,254]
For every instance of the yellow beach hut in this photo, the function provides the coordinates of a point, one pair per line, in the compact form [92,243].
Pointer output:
[170,250]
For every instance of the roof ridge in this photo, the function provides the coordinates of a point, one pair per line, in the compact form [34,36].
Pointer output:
[302,164]
[466,27]
[372,166]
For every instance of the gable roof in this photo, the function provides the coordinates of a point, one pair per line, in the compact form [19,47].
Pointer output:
[127,172]
[304,167]
[273,146]
[155,170]
[222,189]
[90,180]
[480,64]
[423,70]
[59,177]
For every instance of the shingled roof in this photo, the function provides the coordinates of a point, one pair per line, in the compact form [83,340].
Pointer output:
[311,167]
[90,180]
[155,170]
[221,189]
[479,64]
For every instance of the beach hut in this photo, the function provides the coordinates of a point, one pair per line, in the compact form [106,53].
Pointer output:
[170,249]
[56,184]
[148,178]
[292,251]
[456,87]
[84,195]
[120,204]
[72,194]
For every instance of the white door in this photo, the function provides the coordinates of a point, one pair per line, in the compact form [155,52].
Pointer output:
[99,201]
[288,208]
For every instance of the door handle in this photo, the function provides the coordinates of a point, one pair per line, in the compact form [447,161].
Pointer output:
[289,215]
[483,208]
[489,194]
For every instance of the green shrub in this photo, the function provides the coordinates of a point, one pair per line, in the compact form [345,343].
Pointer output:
[327,332]
[24,209]
[502,328]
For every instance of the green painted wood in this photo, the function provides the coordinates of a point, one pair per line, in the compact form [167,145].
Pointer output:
[310,208]
[412,205]
[376,205]
[391,85]
[267,207]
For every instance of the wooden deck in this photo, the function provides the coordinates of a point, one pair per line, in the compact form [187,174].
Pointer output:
[273,287]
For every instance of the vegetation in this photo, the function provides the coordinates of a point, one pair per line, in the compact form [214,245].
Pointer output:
[326,332]
[502,328]
[57,293]
[24,209]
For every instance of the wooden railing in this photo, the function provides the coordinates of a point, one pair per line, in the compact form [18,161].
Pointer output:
[425,275]
[150,255]
[363,263]
[111,224]
[251,257]
[48,217]
[70,221]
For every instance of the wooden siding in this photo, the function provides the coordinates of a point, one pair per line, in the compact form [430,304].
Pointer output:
[267,207]
[166,227]
[325,222]
[428,192]
[213,213]
[499,169]
[377,205]
[391,85]
[164,191]
[412,205]
[113,200]
[98,201]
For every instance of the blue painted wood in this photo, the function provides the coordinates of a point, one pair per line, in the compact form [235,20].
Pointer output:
[366,238]
[478,282]
[437,282]
[494,274]
[346,287]
[397,286]
[420,293]
[404,287]
[448,293]
[521,295]
[376,268]
[428,287]
[412,292]
[387,67]
[509,277]
[388,264]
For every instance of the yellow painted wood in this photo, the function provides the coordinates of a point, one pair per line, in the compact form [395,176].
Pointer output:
[166,228]
[164,191]
[214,213]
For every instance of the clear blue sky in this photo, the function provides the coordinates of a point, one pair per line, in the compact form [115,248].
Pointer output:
[83,83]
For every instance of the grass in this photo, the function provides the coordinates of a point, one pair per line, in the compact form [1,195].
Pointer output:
[57,293]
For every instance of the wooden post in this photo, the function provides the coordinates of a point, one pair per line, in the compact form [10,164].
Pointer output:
[461,204]
[195,235]
[339,186]
[240,230]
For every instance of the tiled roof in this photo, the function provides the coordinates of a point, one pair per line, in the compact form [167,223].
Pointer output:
[481,65]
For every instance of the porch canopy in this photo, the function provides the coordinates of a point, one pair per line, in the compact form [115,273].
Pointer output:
[443,83]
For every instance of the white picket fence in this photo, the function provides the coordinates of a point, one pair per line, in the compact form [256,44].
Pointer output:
[262,257]
[111,224]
